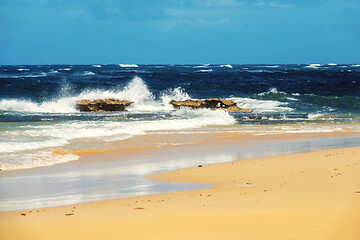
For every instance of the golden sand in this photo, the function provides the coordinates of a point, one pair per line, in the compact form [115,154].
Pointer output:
[304,196]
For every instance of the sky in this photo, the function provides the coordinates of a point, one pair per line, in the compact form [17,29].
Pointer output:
[179,31]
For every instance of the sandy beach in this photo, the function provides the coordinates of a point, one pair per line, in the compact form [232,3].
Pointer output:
[179,120]
[303,196]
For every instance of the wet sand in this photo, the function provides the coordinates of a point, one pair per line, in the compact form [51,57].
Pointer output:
[303,196]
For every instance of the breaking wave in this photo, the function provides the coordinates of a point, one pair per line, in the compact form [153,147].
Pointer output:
[205,70]
[227,65]
[262,106]
[136,91]
[128,65]
[313,66]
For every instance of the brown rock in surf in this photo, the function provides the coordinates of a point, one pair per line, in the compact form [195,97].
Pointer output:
[212,103]
[102,105]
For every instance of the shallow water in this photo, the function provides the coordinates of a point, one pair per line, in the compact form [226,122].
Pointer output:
[123,175]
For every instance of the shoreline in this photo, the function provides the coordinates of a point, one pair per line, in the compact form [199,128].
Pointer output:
[123,173]
[306,196]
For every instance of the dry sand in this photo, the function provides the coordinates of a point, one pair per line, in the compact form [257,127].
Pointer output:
[304,196]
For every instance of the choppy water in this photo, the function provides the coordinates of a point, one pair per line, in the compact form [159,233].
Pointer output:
[39,123]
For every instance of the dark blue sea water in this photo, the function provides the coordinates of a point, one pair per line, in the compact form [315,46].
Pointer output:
[319,85]
[38,114]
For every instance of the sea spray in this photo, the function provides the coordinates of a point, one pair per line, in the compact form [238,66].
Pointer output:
[136,90]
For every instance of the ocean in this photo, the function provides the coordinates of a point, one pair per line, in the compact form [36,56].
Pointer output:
[40,126]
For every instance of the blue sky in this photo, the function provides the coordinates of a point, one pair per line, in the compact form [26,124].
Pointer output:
[179,31]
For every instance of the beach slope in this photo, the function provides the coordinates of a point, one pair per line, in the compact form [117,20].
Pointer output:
[303,196]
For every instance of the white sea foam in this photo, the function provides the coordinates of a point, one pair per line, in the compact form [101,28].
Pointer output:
[64,105]
[183,119]
[226,65]
[177,94]
[128,65]
[314,66]
[292,99]
[315,116]
[272,66]
[97,66]
[39,159]
[64,69]
[332,64]
[202,66]
[8,147]
[23,69]
[271,90]
[356,65]
[262,106]
[205,70]
[88,73]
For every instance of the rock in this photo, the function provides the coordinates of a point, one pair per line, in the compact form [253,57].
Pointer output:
[102,105]
[212,103]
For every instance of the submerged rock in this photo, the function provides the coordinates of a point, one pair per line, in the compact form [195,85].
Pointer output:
[212,103]
[102,105]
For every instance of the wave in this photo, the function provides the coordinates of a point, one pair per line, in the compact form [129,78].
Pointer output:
[205,70]
[292,99]
[88,73]
[65,105]
[128,65]
[181,119]
[136,90]
[8,147]
[308,102]
[60,134]
[36,75]
[144,100]
[356,65]
[202,66]
[226,65]
[262,106]
[332,64]
[272,66]
[258,71]
[313,66]
[271,91]
[97,66]
[315,116]
[23,69]
[40,159]
[64,69]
